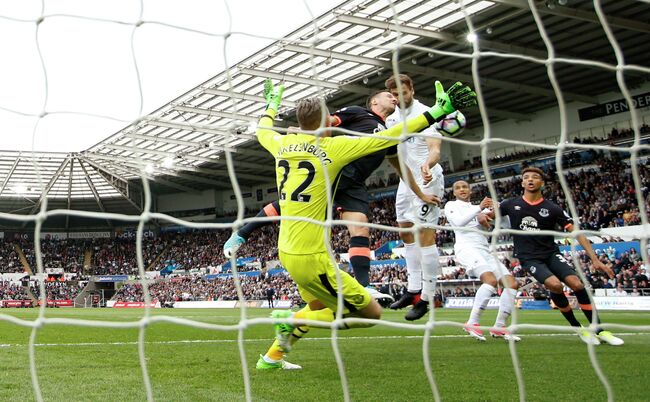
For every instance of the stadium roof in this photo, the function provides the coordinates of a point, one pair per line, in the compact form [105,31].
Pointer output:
[344,54]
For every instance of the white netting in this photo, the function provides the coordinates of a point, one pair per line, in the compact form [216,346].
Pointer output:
[307,81]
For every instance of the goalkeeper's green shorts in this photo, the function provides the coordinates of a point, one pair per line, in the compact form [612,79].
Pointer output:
[315,275]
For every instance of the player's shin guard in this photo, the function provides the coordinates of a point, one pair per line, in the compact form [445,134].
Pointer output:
[430,269]
[586,306]
[413,267]
[360,259]
[506,304]
[483,295]
[272,209]
[562,303]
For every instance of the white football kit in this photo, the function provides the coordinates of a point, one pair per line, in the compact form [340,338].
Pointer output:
[471,248]
[414,153]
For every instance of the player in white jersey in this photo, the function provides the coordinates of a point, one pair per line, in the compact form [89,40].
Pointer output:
[421,156]
[472,251]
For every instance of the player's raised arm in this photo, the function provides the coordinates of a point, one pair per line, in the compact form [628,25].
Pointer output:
[273,96]
[433,146]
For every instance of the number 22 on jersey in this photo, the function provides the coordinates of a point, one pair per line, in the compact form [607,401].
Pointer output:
[297,194]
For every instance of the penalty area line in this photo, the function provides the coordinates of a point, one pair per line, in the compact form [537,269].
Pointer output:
[347,338]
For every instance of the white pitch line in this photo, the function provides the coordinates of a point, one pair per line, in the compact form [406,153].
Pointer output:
[213,341]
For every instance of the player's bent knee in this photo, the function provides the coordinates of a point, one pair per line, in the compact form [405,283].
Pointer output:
[510,282]
[574,282]
[427,237]
[554,285]
[407,238]
[489,278]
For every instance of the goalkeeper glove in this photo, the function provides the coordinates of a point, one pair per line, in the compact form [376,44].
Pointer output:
[459,96]
[273,95]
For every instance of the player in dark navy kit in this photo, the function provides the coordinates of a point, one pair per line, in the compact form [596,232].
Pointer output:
[350,194]
[541,257]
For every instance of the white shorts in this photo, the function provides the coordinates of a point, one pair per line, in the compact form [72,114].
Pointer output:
[477,261]
[410,208]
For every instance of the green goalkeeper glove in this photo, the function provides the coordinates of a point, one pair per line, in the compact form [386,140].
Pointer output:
[459,96]
[273,95]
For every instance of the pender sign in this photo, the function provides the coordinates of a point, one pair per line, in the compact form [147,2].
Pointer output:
[613,107]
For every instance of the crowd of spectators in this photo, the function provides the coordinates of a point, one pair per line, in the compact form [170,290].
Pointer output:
[191,250]
[9,259]
[58,253]
[119,256]
[604,194]
[196,288]
[613,136]
[57,290]
[12,291]
[631,273]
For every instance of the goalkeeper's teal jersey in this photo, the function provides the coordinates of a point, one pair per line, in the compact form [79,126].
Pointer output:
[301,161]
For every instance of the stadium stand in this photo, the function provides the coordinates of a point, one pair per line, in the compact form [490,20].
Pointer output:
[602,188]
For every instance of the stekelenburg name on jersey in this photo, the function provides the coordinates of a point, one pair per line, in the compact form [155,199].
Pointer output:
[308,148]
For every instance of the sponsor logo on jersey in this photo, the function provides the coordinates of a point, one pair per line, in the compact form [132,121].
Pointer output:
[378,129]
[543,212]
[517,208]
[529,224]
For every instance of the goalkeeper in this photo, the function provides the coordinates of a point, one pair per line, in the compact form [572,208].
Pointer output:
[301,164]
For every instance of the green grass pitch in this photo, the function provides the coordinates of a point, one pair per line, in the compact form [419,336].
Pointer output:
[77,363]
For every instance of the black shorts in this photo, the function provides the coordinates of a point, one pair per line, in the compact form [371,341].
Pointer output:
[542,269]
[352,196]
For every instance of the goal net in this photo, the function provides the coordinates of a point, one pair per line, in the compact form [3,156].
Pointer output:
[86,136]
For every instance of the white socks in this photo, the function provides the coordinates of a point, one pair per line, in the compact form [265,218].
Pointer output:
[413,268]
[483,295]
[506,303]
[430,271]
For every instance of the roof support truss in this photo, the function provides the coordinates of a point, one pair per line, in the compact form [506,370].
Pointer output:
[122,189]
[91,185]
[237,95]
[71,172]
[50,184]
[436,72]
[582,15]
[11,172]
[357,89]
[217,172]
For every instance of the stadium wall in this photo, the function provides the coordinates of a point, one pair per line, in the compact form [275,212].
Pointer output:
[184,201]
[221,201]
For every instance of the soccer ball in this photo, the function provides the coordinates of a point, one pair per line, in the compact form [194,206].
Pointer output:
[452,125]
